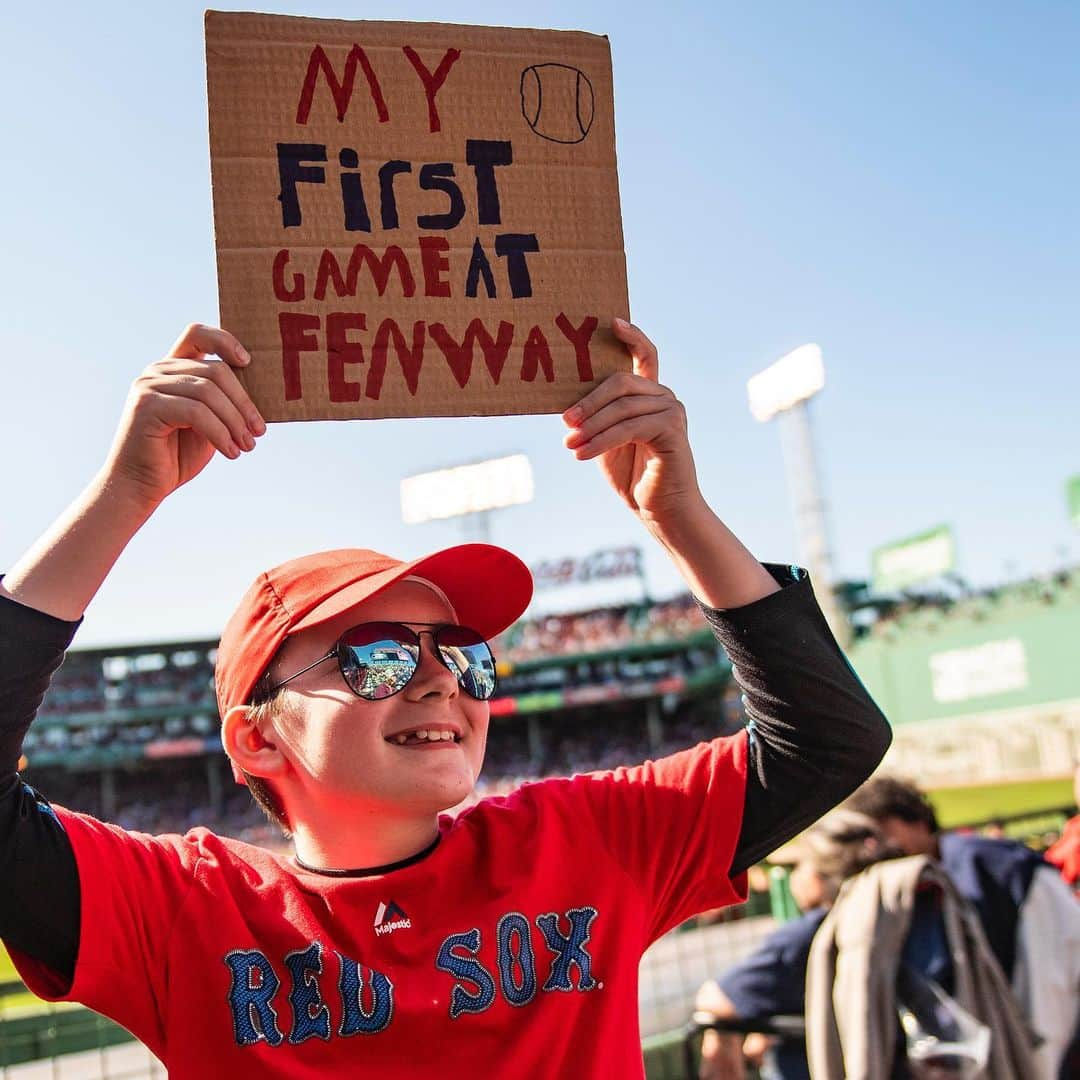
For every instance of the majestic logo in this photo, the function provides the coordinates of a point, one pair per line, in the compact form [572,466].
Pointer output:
[390,917]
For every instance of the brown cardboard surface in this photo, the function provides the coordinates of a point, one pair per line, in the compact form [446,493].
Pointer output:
[349,280]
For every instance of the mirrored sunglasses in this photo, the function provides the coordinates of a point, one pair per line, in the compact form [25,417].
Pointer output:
[377,659]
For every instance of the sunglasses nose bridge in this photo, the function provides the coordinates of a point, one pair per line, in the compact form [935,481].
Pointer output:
[429,653]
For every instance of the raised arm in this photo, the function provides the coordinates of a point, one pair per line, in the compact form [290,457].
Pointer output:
[180,411]
[637,429]
[814,732]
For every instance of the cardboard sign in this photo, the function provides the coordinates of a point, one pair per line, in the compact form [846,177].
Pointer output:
[414,219]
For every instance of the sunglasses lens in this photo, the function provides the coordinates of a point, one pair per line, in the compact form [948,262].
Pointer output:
[468,656]
[378,659]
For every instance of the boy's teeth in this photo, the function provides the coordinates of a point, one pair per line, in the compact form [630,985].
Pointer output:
[423,735]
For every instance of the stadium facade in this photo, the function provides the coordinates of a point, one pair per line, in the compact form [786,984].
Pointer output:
[982,690]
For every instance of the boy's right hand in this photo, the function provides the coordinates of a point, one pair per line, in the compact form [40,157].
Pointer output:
[179,411]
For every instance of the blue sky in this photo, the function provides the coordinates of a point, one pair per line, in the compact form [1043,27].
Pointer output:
[897,182]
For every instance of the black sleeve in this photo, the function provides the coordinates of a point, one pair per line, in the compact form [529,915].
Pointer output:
[815,734]
[39,903]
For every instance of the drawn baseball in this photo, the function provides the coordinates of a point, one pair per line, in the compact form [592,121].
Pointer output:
[557,102]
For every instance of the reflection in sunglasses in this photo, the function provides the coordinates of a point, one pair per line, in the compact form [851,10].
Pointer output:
[376,667]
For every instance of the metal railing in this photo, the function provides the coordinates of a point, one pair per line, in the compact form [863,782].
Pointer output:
[42,1041]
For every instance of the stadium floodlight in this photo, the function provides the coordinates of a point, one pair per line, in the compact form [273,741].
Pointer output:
[784,389]
[795,377]
[466,489]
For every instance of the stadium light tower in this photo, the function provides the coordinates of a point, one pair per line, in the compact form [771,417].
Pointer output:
[470,492]
[784,389]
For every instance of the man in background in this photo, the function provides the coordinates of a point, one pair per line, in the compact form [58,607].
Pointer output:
[1030,917]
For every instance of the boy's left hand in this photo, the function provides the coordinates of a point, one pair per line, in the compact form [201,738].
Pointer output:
[637,428]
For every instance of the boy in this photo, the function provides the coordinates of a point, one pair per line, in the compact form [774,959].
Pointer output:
[398,942]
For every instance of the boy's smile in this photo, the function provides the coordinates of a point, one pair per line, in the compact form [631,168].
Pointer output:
[431,736]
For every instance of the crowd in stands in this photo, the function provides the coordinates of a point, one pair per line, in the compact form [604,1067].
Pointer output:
[953,599]
[97,731]
[600,630]
[170,797]
[95,682]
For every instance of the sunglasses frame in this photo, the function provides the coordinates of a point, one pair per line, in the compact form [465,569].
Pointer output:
[431,629]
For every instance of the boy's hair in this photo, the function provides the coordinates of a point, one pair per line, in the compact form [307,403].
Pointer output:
[893,797]
[267,703]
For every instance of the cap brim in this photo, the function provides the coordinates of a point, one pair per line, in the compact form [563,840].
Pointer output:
[488,586]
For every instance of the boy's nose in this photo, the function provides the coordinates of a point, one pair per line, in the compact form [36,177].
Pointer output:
[432,675]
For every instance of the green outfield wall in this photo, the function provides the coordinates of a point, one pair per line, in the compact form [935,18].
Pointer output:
[984,656]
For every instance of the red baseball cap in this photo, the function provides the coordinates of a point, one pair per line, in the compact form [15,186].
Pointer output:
[488,587]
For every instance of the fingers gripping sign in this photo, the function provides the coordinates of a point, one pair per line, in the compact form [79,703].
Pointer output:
[180,410]
[637,429]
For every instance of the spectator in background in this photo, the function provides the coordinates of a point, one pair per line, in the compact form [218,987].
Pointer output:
[1064,853]
[772,980]
[1030,918]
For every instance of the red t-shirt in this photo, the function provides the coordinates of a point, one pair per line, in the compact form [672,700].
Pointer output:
[511,950]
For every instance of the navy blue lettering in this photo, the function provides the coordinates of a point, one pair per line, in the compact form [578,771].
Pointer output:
[521,989]
[358,1018]
[352,193]
[387,198]
[568,949]
[512,247]
[253,987]
[483,155]
[292,171]
[478,267]
[437,178]
[470,970]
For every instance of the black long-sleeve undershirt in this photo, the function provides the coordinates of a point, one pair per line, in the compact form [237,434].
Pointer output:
[814,736]
[39,903]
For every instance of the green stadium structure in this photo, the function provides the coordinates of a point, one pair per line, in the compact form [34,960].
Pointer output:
[983,690]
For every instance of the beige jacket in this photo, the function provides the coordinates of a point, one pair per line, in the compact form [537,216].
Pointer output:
[851,1018]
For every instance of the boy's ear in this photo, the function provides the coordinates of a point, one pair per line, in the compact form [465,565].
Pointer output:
[249,748]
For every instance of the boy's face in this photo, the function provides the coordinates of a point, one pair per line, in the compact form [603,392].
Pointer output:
[342,750]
